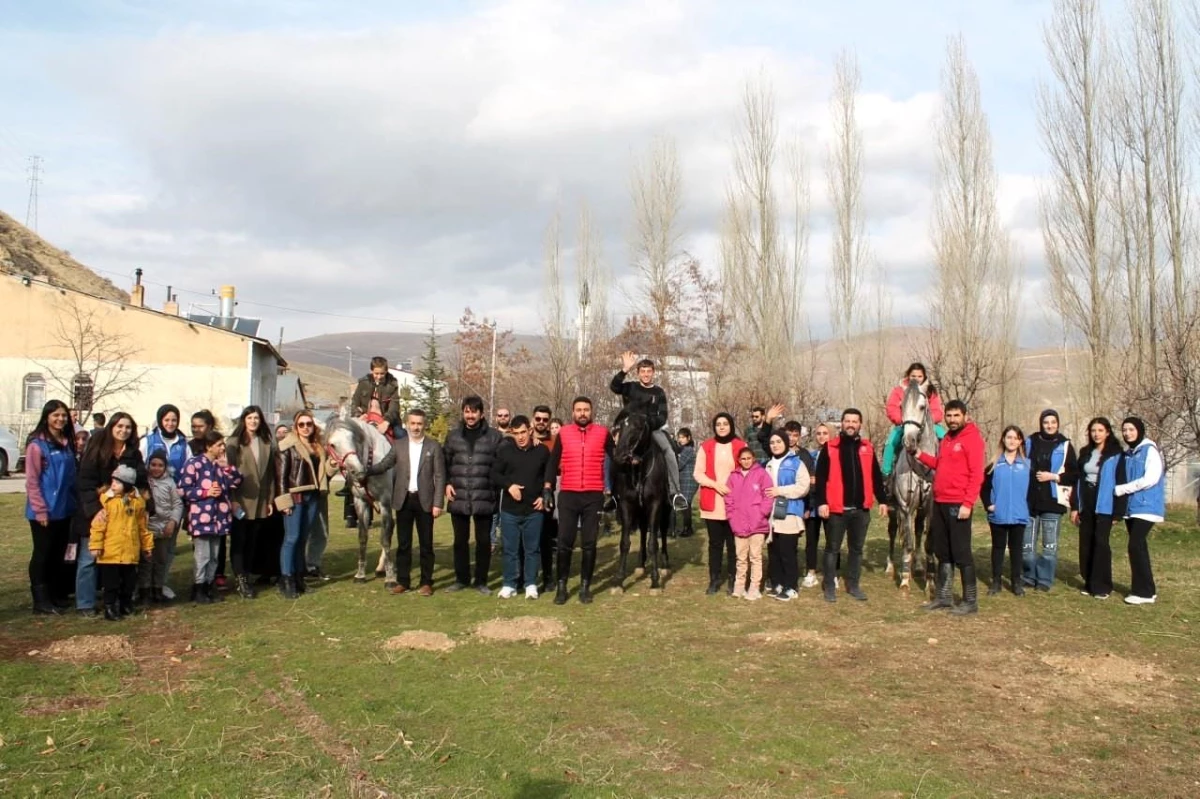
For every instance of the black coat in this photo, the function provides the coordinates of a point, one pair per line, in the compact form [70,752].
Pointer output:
[523,467]
[469,470]
[95,475]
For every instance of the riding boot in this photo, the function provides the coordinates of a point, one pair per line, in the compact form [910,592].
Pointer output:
[587,566]
[244,588]
[42,605]
[200,594]
[299,583]
[970,603]
[944,598]
[560,598]
[213,594]
[585,592]
[1015,567]
[830,586]
[564,565]
[287,586]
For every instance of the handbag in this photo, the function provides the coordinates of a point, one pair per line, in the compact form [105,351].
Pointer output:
[780,509]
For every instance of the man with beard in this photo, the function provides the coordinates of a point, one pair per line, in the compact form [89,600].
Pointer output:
[1055,469]
[471,498]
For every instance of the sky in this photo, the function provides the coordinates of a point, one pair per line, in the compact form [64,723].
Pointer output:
[378,164]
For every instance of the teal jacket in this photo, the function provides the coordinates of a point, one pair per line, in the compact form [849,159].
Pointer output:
[895,444]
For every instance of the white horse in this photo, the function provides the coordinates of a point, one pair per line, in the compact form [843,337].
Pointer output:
[355,446]
[912,489]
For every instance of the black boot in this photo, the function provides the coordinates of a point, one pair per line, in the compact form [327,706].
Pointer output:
[301,585]
[126,606]
[585,592]
[244,588]
[112,611]
[944,598]
[42,606]
[560,598]
[829,584]
[1015,567]
[287,587]
[714,585]
[970,603]
[213,594]
[996,586]
[200,594]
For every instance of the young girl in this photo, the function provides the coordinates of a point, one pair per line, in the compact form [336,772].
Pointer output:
[164,524]
[687,480]
[748,508]
[1005,494]
[207,483]
[1139,480]
[791,482]
[118,537]
[1092,507]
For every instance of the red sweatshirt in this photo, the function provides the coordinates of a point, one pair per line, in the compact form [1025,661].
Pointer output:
[958,467]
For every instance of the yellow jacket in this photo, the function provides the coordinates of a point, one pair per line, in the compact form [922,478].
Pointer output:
[125,534]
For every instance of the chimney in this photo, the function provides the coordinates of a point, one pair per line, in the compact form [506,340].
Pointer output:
[137,297]
[225,317]
[171,306]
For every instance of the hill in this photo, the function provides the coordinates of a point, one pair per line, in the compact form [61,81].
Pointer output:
[24,252]
[331,350]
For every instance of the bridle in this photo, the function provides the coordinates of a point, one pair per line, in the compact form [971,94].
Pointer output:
[341,465]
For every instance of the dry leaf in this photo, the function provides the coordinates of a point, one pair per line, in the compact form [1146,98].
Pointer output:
[49,741]
[176,660]
[34,652]
[444,759]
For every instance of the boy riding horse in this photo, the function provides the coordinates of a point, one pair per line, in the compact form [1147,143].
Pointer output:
[642,396]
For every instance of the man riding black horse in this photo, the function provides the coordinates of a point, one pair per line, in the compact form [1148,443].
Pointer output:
[642,396]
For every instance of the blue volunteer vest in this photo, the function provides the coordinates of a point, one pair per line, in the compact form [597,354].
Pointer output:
[1150,501]
[177,453]
[787,476]
[1010,492]
[57,481]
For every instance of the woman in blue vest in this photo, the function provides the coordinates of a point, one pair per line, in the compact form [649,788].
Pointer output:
[1140,476]
[166,437]
[50,503]
[1055,472]
[1005,494]
[791,481]
[1092,507]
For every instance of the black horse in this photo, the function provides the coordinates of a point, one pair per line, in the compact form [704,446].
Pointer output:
[639,473]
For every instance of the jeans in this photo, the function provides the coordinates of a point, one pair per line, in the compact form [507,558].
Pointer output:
[1038,569]
[85,576]
[318,534]
[206,551]
[461,523]
[1095,552]
[295,534]
[1142,576]
[518,532]
[851,525]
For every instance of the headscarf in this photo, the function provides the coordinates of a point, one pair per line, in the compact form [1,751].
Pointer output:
[1041,431]
[163,411]
[1140,426]
[732,428]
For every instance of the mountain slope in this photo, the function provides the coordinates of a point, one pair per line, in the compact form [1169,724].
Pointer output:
[24,252]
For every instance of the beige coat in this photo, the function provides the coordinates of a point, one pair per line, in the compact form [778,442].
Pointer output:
[257,491]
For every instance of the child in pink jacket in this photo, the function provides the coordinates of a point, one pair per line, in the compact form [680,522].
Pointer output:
[749,510]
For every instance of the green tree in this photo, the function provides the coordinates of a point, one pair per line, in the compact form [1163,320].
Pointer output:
[431,387]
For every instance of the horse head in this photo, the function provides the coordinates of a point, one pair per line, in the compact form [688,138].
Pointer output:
[631,434]
[914,411]
[346,444]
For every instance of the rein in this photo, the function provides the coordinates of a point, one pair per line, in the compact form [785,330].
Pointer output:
[341,464]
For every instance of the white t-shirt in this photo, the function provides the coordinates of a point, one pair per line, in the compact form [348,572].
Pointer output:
[414,463]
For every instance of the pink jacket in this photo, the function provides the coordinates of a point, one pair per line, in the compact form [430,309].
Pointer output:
[747,505]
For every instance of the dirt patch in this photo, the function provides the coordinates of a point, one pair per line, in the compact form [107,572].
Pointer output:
[1105,669]
[90,649]
[807,637]
[43,706]
[420,639]
[534,629]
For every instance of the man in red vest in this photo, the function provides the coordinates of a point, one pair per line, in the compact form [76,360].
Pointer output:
[848,485]
[577,464]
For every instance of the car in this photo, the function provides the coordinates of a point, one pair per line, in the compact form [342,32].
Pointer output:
[12,454]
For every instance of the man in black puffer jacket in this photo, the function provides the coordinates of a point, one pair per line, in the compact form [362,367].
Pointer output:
[471,497]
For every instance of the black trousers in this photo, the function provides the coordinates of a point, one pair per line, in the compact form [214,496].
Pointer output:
[784,566]
[578,511]
[549,545]
[951,536]
[852,526]
[1142,576]
[461,523]
[221,556]
[409,515]
[1013,537]
[720,540]
[1095,552]
[812,542]
[46,566]
[244,544]
[117,581]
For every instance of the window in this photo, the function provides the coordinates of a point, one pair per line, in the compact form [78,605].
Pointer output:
[35,392]
[81,396]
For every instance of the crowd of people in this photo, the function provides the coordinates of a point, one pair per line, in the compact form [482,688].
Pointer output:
[106,507]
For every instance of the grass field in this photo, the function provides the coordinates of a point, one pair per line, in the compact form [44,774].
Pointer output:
[677,694]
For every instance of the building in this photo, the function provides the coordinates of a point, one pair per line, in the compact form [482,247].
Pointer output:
[103,354]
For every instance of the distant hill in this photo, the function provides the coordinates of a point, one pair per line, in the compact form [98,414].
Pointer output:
[330,350]
[24,252]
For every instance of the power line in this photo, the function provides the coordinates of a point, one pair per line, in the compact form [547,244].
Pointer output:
[31,209]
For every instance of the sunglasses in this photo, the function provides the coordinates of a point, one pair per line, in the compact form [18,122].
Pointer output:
[541,418]
[304,424]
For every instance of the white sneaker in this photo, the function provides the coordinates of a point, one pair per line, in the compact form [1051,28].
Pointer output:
[167,592]
[787,596]
[754,594]
[531,592]
[1140,600]
[507,593]
[837,583]
[810,580]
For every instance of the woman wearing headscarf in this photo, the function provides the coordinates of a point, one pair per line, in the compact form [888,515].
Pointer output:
[715,461]
[1092,507]
[1055,472]
[1140,485]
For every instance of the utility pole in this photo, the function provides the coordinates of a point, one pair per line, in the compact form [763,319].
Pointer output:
[492,390]
[583,323]
[35,177]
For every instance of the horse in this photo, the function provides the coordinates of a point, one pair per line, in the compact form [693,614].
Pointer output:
[354,446]
[639,472]
[912,488]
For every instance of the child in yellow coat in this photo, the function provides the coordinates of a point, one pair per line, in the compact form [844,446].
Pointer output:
[120,535]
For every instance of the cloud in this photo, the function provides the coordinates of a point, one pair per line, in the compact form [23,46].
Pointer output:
[409,168]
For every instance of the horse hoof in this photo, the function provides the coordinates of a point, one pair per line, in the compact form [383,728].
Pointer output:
[359,579]
[389,585]
[890,570]
[904,585]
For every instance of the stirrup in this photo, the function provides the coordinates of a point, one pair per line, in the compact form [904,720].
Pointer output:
[679,502]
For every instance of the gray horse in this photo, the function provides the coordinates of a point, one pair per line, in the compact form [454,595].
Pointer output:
[911,488]
[355,446]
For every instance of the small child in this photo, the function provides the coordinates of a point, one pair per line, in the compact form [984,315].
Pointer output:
[164,525]
[748,509]
[118,536]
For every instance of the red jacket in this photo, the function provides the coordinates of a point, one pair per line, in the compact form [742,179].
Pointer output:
[833,493]
[582,463]
[958,466]
[897,396]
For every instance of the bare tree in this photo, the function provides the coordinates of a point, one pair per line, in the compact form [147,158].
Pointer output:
[975,283]
[1072,115]
[850,247]
[100,363]
[559,353]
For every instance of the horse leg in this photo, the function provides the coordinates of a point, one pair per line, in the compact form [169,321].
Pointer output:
[364,525]
[930,567]
[386,526]
[623,558]
[892,525]
[906,538]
